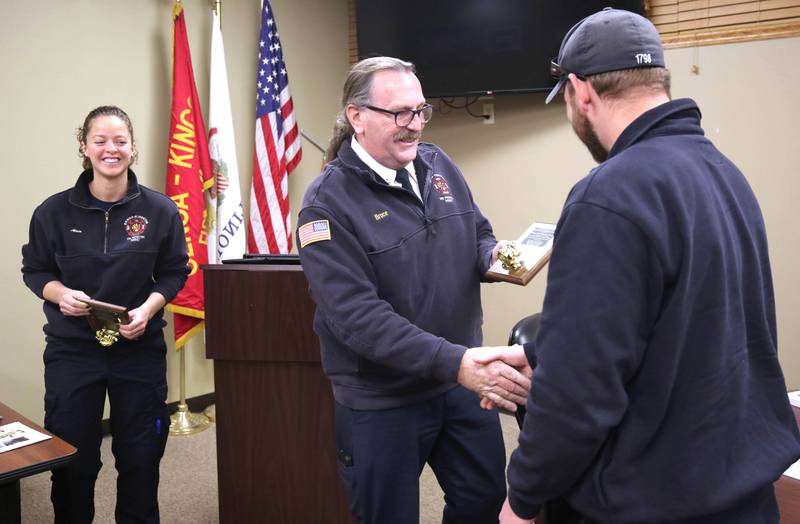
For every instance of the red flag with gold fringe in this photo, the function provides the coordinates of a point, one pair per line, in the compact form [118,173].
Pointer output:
[189,174]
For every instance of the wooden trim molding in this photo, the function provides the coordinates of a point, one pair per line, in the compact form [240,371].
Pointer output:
[686,23]
[352,31]
[727,36]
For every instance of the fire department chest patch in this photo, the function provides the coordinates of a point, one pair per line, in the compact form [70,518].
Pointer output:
[135,227]
[440,184]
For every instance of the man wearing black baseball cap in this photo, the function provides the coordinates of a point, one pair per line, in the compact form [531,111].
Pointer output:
[657,395]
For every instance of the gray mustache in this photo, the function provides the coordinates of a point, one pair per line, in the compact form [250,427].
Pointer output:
[408,136]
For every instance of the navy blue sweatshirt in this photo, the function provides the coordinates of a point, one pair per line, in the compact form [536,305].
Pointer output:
[120,256]
[397,286]
[658,396]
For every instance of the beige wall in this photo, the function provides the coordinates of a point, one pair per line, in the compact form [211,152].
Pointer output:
[59,59]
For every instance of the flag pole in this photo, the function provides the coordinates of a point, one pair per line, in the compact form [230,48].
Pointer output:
[188,177]
[313,143]
[211,411]
[183,421]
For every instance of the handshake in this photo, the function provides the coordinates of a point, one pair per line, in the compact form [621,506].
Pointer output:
[501,376]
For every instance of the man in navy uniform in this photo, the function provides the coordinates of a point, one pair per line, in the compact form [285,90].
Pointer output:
[394,249]
[657,395]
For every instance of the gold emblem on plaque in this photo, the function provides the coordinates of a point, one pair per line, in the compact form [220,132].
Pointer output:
[509,255]
[105,319]
[106,336]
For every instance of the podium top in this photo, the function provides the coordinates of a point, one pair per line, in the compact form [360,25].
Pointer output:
[259,313]
[265,260]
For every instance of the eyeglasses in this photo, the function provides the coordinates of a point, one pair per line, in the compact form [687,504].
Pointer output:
[406,116]
[558,72]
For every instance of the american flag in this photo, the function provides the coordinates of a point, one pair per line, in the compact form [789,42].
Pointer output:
[277,146]
[314,232]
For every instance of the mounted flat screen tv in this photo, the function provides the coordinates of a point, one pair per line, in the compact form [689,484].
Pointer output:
[474,47]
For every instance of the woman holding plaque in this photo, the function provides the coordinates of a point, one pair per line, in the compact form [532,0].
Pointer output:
[112,240]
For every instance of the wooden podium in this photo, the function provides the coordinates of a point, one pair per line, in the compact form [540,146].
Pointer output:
[274,406]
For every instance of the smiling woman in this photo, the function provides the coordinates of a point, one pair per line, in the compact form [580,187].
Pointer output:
[105,141]
[112,240]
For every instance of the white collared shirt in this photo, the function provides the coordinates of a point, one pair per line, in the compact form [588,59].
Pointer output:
[390,175]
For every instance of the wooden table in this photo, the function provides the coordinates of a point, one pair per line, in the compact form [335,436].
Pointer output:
[26,461]
[787,490]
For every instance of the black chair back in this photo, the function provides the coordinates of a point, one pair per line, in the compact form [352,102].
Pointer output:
[523,332]
[558,510]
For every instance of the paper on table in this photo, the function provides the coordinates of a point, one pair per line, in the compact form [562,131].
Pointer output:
[16,434]
[794,398]
[794,469]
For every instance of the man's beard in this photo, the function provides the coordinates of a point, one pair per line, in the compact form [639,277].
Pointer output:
[585,131]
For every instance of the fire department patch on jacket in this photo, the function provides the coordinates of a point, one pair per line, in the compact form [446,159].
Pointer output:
[135,227]
[314,232]
[440,184]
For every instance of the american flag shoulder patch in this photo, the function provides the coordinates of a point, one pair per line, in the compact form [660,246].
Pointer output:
[314,232]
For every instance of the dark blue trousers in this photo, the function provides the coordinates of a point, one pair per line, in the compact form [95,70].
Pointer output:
[381,455]
[77,378]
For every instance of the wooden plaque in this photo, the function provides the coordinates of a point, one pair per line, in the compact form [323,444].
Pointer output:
[104,315]
[535,246]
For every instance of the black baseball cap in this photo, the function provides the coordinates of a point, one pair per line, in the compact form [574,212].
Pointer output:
[609,40]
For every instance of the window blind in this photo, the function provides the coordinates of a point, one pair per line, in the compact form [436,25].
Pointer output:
[352,33]
[698,22]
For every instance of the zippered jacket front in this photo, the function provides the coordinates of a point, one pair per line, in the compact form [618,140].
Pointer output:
[396,281]
[119,256]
